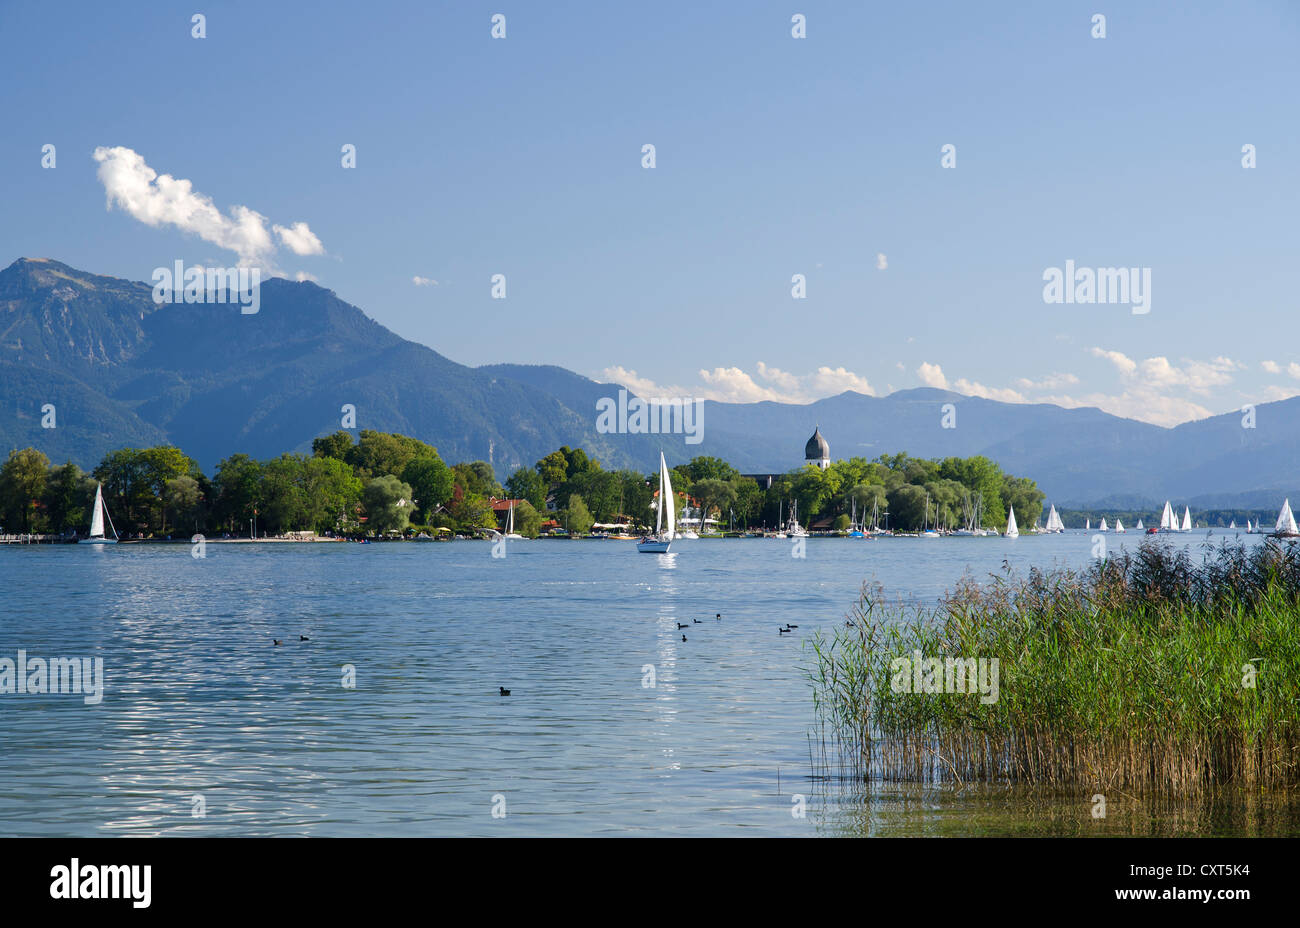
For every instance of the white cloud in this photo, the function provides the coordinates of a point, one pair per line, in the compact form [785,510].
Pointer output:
[423,281]
[834,381]
[1275,392]
[932,375]
[1271,367]
[1052,381]
[1123,363]
[1142,404]
[160,200]
[882,263]
[300,239]
[734,385]
[975,388]
[1293,369]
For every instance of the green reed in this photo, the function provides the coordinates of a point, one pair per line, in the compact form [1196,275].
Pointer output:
[1145,672]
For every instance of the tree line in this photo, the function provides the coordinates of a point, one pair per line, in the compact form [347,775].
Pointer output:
[383,482]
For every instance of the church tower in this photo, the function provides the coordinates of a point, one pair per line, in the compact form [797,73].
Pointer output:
[817,451]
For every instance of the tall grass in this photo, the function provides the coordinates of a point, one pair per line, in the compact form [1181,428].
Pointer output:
[1135,674]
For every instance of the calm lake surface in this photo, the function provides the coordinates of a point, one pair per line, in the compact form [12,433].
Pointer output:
[202,712]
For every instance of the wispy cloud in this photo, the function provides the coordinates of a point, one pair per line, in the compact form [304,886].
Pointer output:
[735,385]
[423,281]
[161,200]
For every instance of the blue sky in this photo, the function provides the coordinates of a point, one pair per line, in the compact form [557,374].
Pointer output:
[775,156]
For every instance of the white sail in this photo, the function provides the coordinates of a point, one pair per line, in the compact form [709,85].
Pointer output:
[1054,523]
[97,520]
[1104,528]
[1012,531]
[1233,524]
[1087,525]
[1286,521]
[1119,525]
[1167,518]
[1187,520]
[1140,526]
[666,497]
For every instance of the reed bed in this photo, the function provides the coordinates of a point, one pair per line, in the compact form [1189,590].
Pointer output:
[1146,673]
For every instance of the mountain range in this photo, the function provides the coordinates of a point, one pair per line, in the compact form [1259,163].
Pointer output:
[122,370]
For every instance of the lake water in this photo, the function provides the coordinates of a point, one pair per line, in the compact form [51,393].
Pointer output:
[201,712]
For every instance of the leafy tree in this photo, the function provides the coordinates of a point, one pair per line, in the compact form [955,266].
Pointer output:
[707,468]
[387,502]
[712,493]
[526,483]
[528,521]
[69,494]
[238,490]
[477,477]
[182,497]
[379,453]
[470,511]
[332,491]
[841,523]
[338,446]
[22,483]
[431,481]
[578,517]
[907,507]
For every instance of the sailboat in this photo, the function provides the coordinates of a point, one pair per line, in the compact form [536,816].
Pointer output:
[1104,527]
[1054,523]
[1140,526]
[97,522]
[1167,523]
[1087,525]
[796,530]
[855,530]
[926,531]
[1012,531]
[664,519]
[1187,520]
[1232,524]
[1286,527]
[510,525]
[1119,526]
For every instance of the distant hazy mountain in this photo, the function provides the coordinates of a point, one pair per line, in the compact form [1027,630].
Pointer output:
[121,371]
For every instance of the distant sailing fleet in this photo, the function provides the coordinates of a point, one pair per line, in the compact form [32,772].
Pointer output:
[666,528]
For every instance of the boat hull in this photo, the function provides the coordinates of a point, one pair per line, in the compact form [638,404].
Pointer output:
[653,547]
[96,541]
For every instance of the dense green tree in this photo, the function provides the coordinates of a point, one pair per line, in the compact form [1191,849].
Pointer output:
[387,502]
[577,517]
[333,493]
[377,454]
[337,446]
[526,483]
[713,494]
[69,494]
[431,481]
[707,468]
[528,521]
[182,497]
[238,490]
[22,483]
[907,507]
[477,478]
